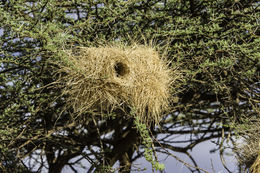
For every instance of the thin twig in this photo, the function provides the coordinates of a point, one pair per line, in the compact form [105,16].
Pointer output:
[180,160]
[100,141]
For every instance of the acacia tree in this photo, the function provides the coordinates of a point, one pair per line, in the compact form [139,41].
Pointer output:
[214,43]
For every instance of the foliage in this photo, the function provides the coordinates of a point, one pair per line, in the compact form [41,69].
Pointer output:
[148,144]
[216,43]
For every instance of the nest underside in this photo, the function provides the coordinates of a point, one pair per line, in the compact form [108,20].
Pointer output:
[249,151]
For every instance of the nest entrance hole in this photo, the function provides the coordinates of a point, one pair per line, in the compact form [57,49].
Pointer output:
[121,69]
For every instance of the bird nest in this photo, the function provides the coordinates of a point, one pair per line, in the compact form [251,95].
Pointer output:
[103,79]
[249,151]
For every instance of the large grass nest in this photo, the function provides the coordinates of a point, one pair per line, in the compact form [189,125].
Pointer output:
[255,168]
[249,157]
[249,151]
[105,78]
